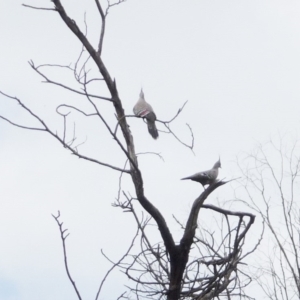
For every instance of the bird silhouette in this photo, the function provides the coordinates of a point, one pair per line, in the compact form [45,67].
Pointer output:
[144,110]
[206,177]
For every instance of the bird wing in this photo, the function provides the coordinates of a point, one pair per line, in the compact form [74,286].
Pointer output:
[201,175]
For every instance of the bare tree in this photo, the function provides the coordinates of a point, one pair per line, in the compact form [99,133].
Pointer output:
[271,181]
[200,266]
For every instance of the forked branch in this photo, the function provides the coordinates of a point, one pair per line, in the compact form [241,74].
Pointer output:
[63,237]
[55,135]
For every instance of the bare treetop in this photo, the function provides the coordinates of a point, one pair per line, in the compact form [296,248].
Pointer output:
[165,270]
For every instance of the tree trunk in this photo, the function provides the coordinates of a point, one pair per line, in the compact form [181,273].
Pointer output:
[178,260]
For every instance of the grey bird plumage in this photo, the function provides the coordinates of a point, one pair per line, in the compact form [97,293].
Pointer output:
[144,110]
[206,177]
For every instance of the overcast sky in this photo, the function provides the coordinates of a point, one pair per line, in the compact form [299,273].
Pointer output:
[236,62]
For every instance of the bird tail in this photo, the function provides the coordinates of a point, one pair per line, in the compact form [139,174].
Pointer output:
[185,178]
[152,129]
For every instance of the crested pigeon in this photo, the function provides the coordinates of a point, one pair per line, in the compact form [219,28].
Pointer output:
[144,110]
[206,177]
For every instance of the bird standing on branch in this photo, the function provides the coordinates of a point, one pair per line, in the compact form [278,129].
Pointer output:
[144,110]
[206,177]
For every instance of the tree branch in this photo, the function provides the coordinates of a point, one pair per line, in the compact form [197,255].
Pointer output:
[31,63]
[40,8]
[63,239]
[46,128]
[111,85]
[100,45]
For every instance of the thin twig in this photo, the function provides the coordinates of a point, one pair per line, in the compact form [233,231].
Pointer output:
[63,237]
[47,129]
[62,85]
[117,263]
[40,8]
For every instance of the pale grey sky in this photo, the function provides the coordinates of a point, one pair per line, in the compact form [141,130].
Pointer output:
[236,62]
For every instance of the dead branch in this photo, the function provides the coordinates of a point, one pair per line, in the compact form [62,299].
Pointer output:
[170,131]
[35,7]
[74,108]
[271,173]
[48,130]
[116,264]
[63,237]
[47,80]
[150,269]
[160,269]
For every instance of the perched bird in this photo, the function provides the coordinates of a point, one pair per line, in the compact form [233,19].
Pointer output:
[144,110]
[206,177]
